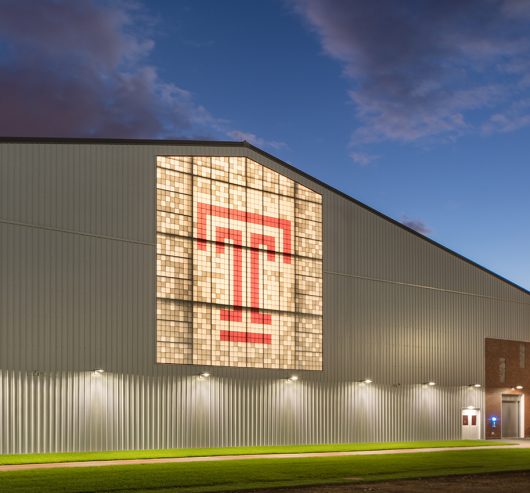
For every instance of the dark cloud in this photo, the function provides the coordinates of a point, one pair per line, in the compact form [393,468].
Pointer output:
[78,69]
[81,68]
[424,68]
[416,224]
[96,32]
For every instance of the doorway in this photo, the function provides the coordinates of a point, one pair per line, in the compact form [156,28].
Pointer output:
[511,416]
[470,424]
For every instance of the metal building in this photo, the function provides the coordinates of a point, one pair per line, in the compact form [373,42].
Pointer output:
[163,294]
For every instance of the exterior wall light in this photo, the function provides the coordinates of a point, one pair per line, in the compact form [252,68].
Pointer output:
[366,380]
[477,385]
[519,387]
[98,371]
[292,378]
[430,384]
[204,375]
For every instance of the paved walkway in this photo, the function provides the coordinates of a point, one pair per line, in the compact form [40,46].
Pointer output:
[125,462]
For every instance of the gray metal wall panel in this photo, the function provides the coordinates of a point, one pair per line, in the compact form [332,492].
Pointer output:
[77,228]
[79,411]
[75,302]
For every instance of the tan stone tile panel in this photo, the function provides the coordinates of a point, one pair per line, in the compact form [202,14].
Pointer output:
[237,197]
[175,163]
[202,279]
[309,304]
[169,331]
[286,186]
[254,201]
[176,353]
[309,285]
[270,180]
[286,210]
[173,267]
[306,341]
[220,168]
[175,224]
[173,310]
[220,194]
[309,267]
[271,204]
[287,340]
[308,229]
[286,285]
[173,181]
[176,203]
[306,247]
[305,193]
[173,245]
[202,166]
[173,288]
[308,210]
[238,170]
[312,324]
[308,361]
[254,175]
[202,334]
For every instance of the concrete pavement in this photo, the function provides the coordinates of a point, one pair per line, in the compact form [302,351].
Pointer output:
[166,460]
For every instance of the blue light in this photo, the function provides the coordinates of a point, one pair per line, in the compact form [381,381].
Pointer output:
[494,418]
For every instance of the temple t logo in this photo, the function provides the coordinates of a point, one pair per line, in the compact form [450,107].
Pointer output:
[239,265]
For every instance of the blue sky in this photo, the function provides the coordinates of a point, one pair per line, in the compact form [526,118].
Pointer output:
[420,109]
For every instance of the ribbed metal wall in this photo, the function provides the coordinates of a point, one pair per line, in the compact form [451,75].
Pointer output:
[81,411]
[77,233]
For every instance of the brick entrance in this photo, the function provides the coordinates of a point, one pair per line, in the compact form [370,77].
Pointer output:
[507,367]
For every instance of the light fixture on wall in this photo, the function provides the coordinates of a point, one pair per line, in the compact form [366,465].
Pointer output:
[366,380]
[204,375]
[477,385]
[430,383]
[98,371]
[292,378]
[519,387]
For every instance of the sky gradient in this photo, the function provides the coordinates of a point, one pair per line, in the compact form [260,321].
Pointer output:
[419,108]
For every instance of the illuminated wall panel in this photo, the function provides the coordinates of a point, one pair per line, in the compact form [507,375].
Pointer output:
[239,265]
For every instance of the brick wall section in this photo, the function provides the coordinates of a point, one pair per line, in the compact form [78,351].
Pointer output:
[514,375]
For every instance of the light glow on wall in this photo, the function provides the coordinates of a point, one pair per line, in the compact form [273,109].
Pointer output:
[239,265]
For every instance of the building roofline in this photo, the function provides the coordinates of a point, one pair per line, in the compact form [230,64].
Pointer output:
[247,145]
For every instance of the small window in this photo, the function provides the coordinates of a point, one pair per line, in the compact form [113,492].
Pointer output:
[502,370]
[474,420]
[465,420]
[522,355]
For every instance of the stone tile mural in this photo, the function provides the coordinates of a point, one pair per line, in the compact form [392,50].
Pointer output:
[239,265]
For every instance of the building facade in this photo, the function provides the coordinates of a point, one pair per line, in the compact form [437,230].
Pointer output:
[161,294]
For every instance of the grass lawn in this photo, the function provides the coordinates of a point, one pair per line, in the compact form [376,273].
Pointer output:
[262,473]
[198,452]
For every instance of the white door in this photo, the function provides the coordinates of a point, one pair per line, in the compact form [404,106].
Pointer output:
[470,424]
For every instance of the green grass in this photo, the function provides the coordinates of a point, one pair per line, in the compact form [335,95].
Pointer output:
[262,473]
[198,452]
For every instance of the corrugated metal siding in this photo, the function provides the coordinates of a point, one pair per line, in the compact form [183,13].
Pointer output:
[77,228]
[79,411]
